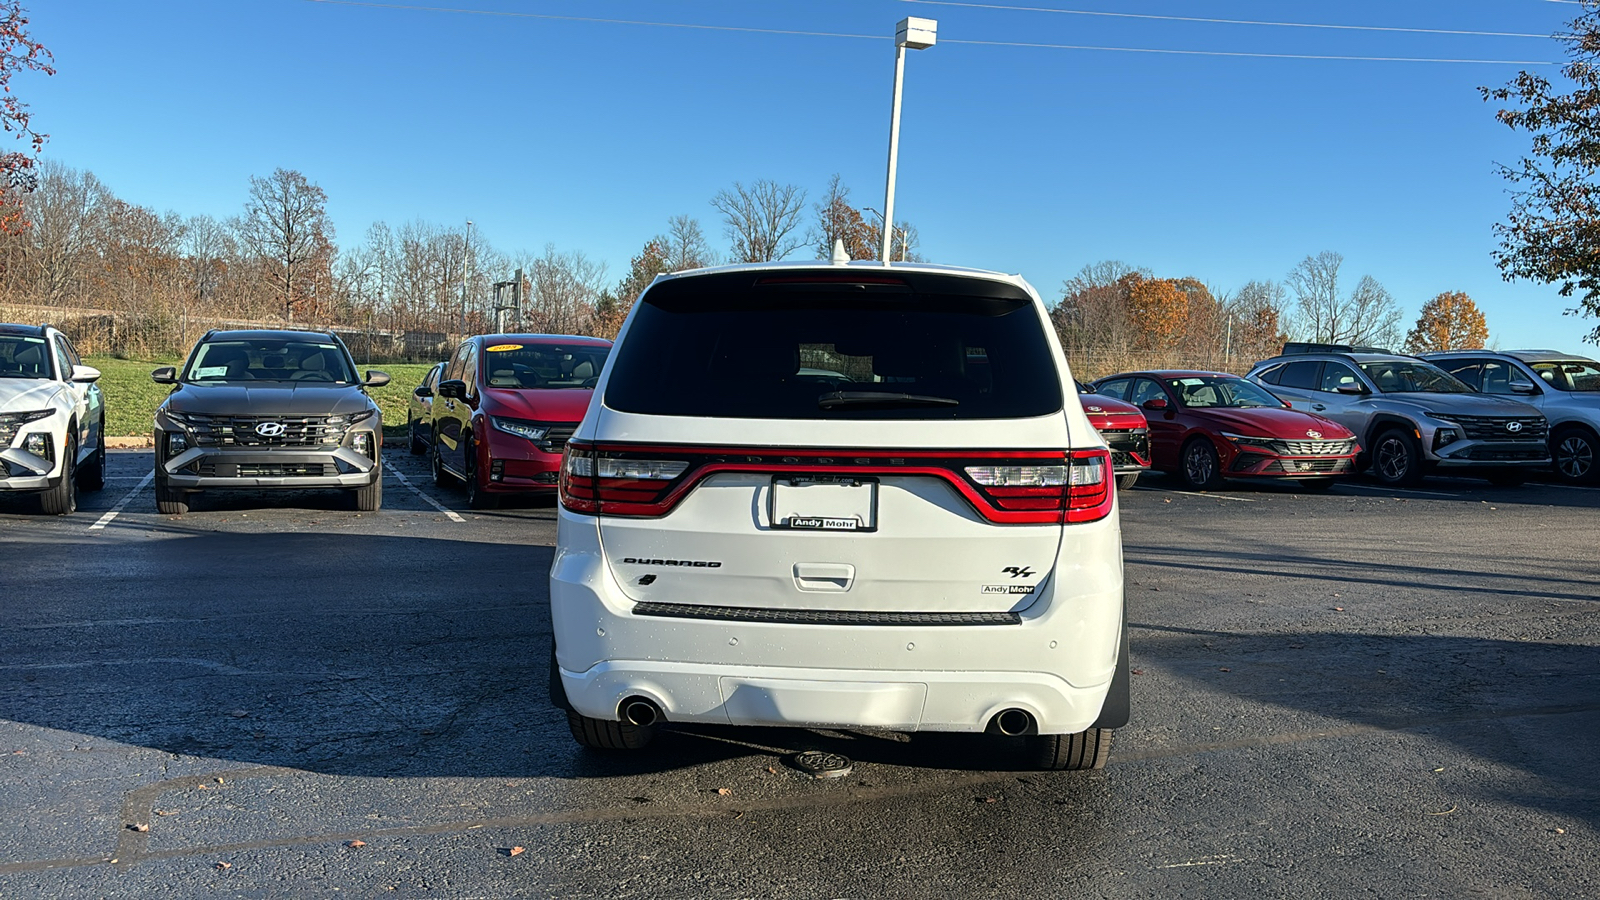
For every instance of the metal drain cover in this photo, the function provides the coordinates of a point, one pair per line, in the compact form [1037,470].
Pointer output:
[820,764]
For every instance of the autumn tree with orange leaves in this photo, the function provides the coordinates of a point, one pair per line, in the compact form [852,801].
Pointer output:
[18,53]
[1159,310]
[1450,321]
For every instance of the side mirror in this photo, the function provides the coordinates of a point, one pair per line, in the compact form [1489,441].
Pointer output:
[376,378]
[422,392]
[1351,389]
[1517,387]
[85,374]
[1156,403]
[454,389]
[165,375]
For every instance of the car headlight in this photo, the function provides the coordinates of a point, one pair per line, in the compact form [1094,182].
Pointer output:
[529,430]
[23,418]
[1246,439]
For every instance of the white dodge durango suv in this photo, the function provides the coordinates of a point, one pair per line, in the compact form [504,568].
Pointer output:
[840,496]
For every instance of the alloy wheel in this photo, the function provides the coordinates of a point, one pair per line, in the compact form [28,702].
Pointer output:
[1197,463]
[1574,457]
[1392,459]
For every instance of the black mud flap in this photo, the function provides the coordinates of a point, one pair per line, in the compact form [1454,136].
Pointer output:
[558,692]
[1119,702]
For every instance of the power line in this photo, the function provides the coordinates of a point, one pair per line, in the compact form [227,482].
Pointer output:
[1122,15]
[372,4]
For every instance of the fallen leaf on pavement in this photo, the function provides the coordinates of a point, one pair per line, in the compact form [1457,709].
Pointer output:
[355,845]
[724,792]
[1442,812]
[223,866]
[517,850]
[166,812]
[1224,669]
[771,770]
[140,827]
[239,714]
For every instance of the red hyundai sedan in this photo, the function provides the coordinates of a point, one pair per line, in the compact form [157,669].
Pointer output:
[1209,426]
[504,408]
[1123,427]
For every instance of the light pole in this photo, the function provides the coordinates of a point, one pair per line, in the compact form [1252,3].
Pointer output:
[466,253]
[918,34]
[891,231]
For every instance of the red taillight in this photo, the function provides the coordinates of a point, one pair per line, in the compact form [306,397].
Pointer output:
[1089,491]
[1023,487]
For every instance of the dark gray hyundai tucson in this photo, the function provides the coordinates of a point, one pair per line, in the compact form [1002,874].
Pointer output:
[255,410]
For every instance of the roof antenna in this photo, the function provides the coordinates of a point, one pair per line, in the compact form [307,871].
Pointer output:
[840,255]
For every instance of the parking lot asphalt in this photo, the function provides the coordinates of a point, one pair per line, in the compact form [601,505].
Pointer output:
[1366,692]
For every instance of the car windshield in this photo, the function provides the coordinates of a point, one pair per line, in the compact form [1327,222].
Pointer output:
[311,362]
[1412,376]
[1211,392]
[1569,374]
[724,348]
[515,364]
[24,357]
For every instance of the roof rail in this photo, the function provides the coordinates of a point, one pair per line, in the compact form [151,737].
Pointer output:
[1293,348]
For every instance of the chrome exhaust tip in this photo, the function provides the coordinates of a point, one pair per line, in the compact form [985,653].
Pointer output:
[641,712]
[1013,722]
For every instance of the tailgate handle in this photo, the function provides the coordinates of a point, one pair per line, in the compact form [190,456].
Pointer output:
[824,576]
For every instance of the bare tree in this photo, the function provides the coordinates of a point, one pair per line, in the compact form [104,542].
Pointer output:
[761,220]
[64,209]
[286,225]
[1256,316]
[1367,315]
[686,246]
[839,220]
[566,287]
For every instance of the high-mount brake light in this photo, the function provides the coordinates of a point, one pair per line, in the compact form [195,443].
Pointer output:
[830,278]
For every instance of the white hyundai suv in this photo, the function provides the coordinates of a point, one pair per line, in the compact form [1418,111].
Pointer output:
[52,419]
[840,496]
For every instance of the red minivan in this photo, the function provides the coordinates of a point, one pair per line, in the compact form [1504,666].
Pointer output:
[504,408]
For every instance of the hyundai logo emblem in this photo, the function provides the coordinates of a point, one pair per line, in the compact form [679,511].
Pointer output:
[1513,427]
[271,429]
[1314,435]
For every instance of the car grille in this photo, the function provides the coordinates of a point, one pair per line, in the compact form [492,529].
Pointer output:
[1307,466]
[240,431]
[555,440]
[1127,443]
[212,468]
[1494,428]
[1311,448]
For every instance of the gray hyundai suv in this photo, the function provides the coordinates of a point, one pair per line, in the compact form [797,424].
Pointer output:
[256,410]
[1564,386]
[1412,417]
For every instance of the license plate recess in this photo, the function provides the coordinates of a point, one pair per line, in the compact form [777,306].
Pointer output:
[823,503]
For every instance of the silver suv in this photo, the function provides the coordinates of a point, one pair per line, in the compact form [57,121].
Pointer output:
[1412,417]
[1564,386]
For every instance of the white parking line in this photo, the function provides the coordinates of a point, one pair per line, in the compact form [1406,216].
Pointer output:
[122,504]
[1383,490]
[1212,496]
[426,498]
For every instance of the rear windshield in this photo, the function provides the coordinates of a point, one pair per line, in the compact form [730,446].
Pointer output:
[831,354]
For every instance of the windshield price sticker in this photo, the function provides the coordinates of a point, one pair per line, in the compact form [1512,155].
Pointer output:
[502,348]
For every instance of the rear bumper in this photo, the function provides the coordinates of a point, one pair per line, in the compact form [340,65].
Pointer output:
[1057,663]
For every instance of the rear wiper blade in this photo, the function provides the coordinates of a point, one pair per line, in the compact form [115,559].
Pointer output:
[881,398]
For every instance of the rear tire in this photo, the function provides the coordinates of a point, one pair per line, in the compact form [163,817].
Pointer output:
[1127,481]
[1072,752]
[61,499]
[1395,459]
[369,497]
[1572,454]
[602,734]
[441,478]
[417,446]
[169,501]
[1202,468]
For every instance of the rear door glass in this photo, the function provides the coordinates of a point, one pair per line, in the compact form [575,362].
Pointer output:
[793,351]
[1304,374]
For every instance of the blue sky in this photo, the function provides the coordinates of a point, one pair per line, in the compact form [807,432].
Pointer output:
[590,135]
